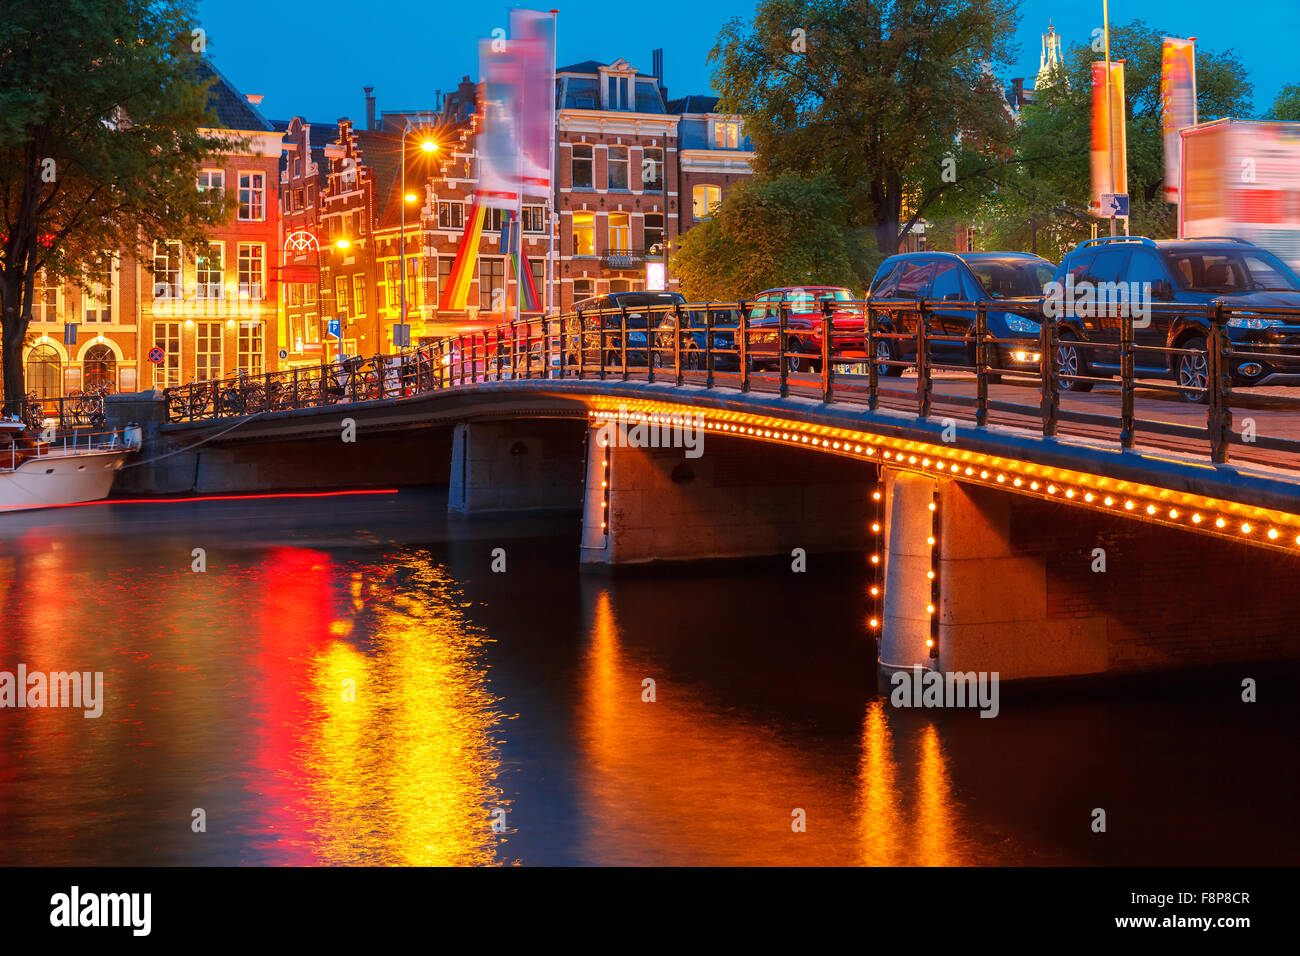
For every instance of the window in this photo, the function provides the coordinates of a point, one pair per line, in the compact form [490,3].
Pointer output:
[392,286]
[444,272]
[212,183]
[703,199]
[534,219]
[654,234]
[341,297]
[538,268]
[100,365]
[946,282]
[167,336]
[915,280]
[451,215]
[167,278]
[726,135]
[252,197]
[620,233]
[412,284]
[492,220]
[45,300]
[652,169]
[583,289]
[99,293]
[207,351]
[584,233]
[491,285]
[583,166]
[209,271]
[620,285]
[616,166]
[252,272]
[359,295]
[618,93]
[250,346]
[43,371]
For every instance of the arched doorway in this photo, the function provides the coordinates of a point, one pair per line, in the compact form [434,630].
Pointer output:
[100,365]
[43,371]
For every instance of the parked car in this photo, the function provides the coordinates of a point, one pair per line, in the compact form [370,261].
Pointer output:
[1191,272]
[644,312]
[804,318]
[696,320]
[1011,284]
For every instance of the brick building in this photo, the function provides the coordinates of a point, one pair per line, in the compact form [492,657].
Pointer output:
[713,154]
[210,310]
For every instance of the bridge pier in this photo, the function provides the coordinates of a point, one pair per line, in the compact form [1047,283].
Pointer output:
[909,524]
[504,467]
[737,499]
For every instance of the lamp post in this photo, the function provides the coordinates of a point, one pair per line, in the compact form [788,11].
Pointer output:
[429,146]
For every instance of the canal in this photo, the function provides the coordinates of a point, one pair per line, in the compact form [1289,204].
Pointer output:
[349,681]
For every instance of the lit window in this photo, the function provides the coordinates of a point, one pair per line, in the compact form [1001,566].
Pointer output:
[620,233]
[252,270]
[584,234]
[252,197]
[359,295]
[99,293]
[167,270]
[726,135]
[703,199]
[491,285]
[451,215]
[210,271]
[250,347]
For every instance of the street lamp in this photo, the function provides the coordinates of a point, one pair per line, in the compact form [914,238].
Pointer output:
[428,145]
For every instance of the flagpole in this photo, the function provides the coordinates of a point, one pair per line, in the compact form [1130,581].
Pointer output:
[551,229]
[1110,122]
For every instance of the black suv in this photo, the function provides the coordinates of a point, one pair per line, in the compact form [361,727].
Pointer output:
[1192,272]
[644,311]
[1011,283]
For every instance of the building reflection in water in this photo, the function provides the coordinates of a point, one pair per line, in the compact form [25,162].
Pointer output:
[382,751]
[688,780]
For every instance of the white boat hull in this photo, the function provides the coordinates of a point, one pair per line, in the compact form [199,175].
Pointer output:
[60,478]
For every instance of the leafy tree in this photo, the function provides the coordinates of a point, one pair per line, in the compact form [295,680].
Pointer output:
[1287,105]
[102,116]
[784,231]
[875,94]
[1042,200]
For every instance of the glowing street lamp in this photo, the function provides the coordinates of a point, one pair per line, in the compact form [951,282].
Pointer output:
[342,243]
[428,145]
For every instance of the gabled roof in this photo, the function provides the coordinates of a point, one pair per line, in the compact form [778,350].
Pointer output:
[322,134]
[694,104]
[381,153]
[232,108]
[591,67]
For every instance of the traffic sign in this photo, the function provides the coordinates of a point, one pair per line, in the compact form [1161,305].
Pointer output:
[156,355]
[334,327]
[69,333]
[1113,204]
[284,354]
[402,335]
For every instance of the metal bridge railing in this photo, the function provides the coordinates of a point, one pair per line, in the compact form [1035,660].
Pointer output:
[784,348]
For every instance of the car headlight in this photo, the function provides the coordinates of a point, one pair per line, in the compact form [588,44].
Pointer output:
[1024,326]
[1252,322]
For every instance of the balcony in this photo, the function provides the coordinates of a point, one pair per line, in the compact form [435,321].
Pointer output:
[629,258]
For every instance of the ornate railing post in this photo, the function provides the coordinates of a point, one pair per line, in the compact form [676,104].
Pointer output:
[1127,421]
[677,343]
[924,385]
[873,373]
[622,337]
[1049,385]
[1218,416]
[981,365]
[742,344]
[708,344]
[828,330]
[783,373]
[651,343]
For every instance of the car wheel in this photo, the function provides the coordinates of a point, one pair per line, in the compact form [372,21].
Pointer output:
[1194,372]
[884,352]
[1070,361]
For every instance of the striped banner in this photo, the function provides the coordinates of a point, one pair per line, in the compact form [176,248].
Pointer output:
[456,294]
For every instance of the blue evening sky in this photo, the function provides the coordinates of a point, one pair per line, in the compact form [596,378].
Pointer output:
[313,58]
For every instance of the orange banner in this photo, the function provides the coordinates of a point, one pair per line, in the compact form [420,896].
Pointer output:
[1177,104]
[1109,141]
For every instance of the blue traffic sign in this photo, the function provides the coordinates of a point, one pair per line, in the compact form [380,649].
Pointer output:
[334,327]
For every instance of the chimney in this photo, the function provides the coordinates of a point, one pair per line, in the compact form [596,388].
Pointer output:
[370,106]
[657,68]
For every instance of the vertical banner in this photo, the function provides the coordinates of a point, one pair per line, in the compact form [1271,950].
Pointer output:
[498,150]
[1108,143]
[1177,104]
[532,43]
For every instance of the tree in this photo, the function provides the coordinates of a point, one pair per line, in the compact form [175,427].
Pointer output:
[1287,105]
[1042,200]
[887,97]
[103,112]
[784,231]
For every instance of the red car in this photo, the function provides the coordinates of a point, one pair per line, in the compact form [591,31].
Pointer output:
[804,318]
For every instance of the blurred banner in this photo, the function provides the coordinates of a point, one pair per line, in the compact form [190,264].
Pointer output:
[1177,104]
[498,153]
[518,111]
[532,41]
[1103,139]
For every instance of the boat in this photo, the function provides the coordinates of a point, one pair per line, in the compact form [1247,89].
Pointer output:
[46,471]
